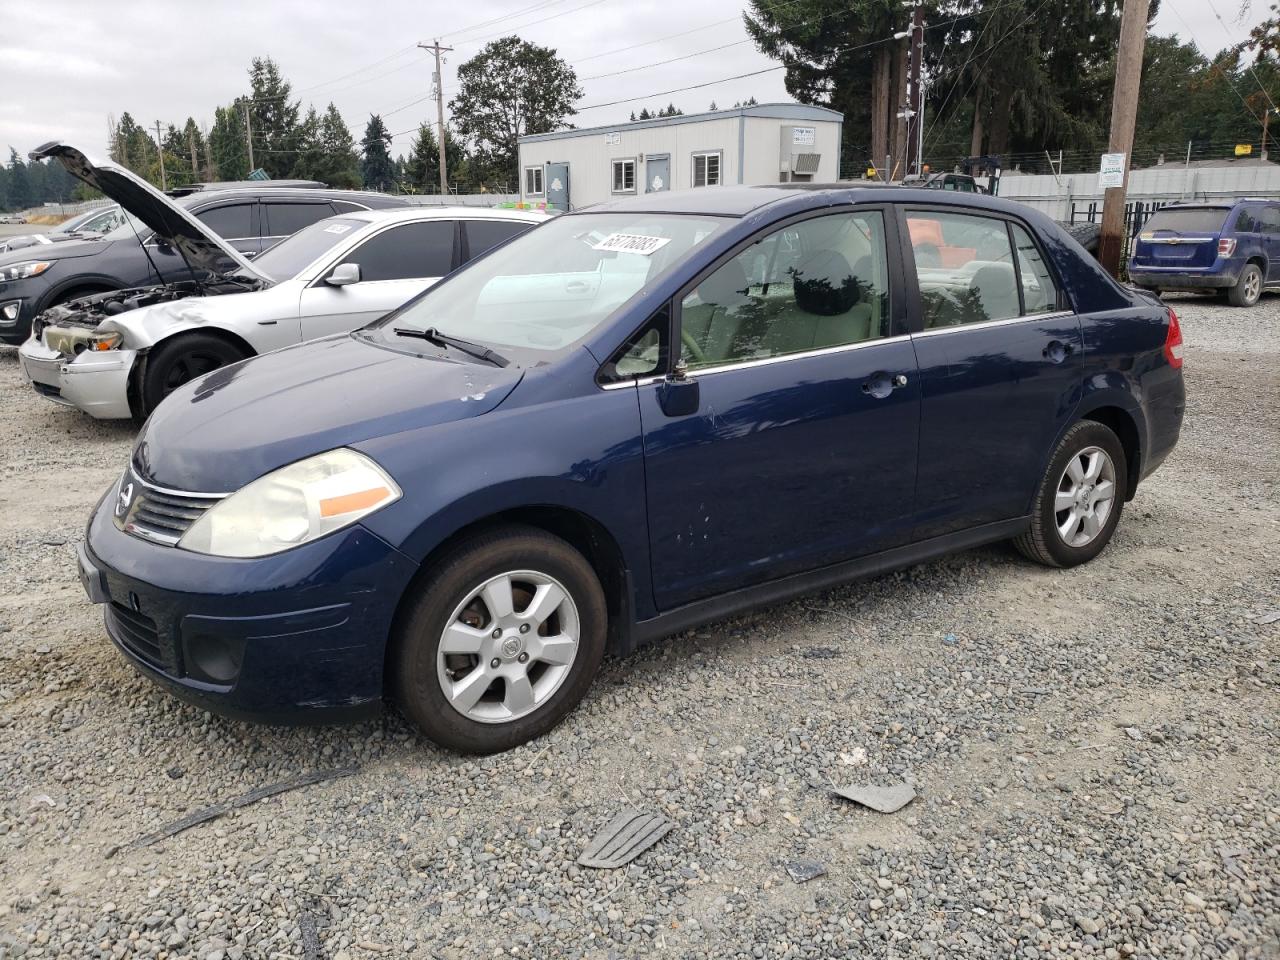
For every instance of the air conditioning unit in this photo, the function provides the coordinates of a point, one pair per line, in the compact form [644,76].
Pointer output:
[796,156]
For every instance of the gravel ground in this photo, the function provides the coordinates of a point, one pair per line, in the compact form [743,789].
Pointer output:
[1095,753]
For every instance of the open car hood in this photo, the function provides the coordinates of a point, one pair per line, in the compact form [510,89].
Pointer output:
[203,248]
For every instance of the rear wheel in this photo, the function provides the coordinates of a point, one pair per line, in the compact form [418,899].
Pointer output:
[181,360]
[1248,287]
[1080,498]
[501,641]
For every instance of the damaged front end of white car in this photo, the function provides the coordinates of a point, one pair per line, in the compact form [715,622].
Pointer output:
[77,355]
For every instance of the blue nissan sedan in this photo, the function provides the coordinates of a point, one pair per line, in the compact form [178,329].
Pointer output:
[628,421]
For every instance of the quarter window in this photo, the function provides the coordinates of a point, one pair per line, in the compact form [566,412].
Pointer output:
[1039,294]
[812,285]
[533,181]
[706,169]
[411,251]
[624,176]
[964,265]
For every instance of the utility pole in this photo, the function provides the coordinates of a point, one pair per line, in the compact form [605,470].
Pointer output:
[191,145]
[164,183]
[1124,113]
[1266,116]
[915,137]
[248,136]
[439,78]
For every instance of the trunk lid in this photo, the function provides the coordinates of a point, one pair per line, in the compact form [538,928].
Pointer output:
[1181,237]
[203,248]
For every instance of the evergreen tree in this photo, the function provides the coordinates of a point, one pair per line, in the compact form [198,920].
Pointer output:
[227,143]
[376,167]
[273,117]
[342,168]
[17,191]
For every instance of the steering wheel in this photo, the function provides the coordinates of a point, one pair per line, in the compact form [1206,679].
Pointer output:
[692,345]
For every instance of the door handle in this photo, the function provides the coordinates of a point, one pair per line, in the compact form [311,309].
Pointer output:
[1056,351]
[880,384]
[577,286]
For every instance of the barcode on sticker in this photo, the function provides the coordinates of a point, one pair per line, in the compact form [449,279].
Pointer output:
[632,243]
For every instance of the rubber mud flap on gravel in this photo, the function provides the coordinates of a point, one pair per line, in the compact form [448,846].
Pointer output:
[628,835]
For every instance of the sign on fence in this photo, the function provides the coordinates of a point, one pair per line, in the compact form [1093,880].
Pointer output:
[1111,173]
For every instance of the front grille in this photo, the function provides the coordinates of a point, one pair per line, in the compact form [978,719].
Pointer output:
[166,516]
[137,632]
[158,514]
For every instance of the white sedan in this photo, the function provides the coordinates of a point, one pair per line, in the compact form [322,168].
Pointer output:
[115,359]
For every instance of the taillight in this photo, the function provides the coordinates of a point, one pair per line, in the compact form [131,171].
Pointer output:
[1173,341]
[1226,247]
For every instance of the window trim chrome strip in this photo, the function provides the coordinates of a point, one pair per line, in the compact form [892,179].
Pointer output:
[989,324]
[697,372]
[169,491]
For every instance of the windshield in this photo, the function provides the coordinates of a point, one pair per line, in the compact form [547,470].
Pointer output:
[292,254]
[550,287]
[1187,220]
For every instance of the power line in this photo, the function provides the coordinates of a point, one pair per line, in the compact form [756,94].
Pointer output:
[1248,65]
[524,26]
[541,5]
[1177,13]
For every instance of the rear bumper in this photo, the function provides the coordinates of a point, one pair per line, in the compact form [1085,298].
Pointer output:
[1172,278]
[298,637]
[1166,404]
[98,384]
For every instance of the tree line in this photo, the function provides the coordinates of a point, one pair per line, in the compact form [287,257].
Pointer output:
[1013,78]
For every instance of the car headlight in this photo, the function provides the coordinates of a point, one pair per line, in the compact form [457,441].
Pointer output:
[293,505]
[25,269]
[73,341]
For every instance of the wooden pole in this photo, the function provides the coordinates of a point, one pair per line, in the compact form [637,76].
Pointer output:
[1124,114]
[164,183]
[437,50]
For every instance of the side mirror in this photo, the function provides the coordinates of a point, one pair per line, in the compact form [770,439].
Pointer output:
[679,394]
[343,274]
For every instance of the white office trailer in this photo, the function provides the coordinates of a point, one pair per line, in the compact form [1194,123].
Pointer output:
[765,143]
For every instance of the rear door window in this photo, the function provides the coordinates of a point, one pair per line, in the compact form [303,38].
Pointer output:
[1039,292]
[286,219]
[964,265]
[1187,220]
[231,222]
[411,251]
[484,235]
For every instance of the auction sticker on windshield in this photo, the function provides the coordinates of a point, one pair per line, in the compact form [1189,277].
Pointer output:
[632,243]
[337,228]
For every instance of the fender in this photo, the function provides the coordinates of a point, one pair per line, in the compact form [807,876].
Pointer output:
[528,461]
[106,281]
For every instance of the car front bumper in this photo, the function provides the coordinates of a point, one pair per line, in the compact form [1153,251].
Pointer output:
[97,383]
[292,638]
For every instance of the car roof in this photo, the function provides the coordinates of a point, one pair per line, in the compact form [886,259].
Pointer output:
[431,212]
[297,193]
[739,201]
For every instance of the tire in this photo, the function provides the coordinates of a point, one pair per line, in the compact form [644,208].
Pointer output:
[452,596]
[1088,235]
[1045,542]
[1248,287]
[180,360]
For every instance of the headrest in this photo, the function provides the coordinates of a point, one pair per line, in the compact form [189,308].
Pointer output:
[825,284]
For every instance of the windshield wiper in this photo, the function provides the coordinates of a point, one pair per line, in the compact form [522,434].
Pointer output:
[432,335]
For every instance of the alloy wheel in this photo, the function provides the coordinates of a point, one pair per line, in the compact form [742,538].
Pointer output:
[1253,285]
[508,646]
[1086,496]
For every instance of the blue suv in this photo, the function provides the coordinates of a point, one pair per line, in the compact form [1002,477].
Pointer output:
[1231,247]
[628,421]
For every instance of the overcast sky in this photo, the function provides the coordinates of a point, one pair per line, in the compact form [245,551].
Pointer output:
[63,72]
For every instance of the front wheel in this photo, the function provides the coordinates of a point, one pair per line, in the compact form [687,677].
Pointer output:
[182,359]
[1079,500]
[501,641]
[1248,287]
